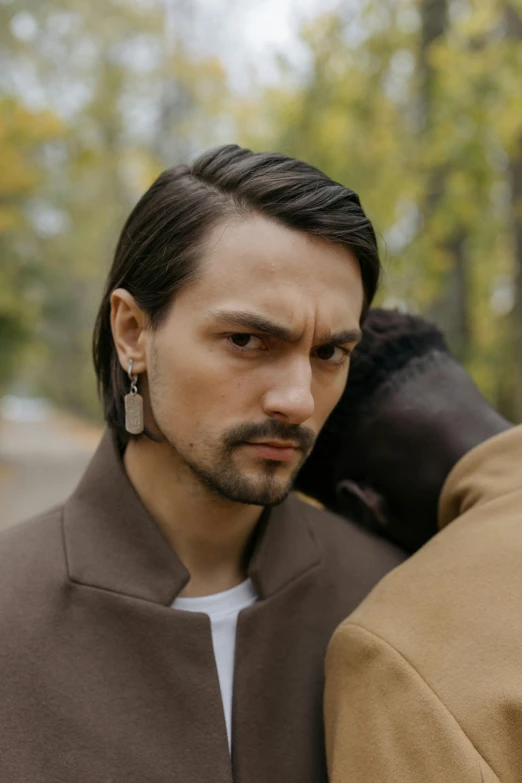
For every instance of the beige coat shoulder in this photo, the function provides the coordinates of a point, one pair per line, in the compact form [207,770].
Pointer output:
[423,679]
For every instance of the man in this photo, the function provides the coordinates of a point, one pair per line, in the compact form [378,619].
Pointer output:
[423,679]
[169,622]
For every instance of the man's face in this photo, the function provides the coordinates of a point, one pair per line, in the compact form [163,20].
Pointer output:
[253,356]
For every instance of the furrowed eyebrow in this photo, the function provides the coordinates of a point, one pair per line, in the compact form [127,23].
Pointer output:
[338,338]
[246,320]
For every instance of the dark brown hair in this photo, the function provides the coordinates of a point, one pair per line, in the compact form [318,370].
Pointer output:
[158,250]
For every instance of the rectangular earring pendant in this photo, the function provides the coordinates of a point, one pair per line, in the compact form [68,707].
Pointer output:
[134,413]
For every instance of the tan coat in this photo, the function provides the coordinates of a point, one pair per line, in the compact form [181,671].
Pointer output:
[424,680]
[101,681]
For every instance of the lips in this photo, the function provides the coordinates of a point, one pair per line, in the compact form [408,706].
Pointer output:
[274,450]
[276,444]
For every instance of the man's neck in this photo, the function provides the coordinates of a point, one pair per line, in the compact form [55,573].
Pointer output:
[469,430]
[210,534]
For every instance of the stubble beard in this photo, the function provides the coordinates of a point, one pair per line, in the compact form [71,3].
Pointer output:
[225,480]
[228,482]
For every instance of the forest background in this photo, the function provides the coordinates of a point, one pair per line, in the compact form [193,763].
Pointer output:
[415,104]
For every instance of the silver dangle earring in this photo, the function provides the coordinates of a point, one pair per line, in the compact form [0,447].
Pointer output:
[133,405]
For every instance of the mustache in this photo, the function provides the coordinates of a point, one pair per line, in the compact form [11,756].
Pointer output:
[301,436]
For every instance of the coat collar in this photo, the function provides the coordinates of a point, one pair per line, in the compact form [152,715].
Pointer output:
[112,542]
[486,473]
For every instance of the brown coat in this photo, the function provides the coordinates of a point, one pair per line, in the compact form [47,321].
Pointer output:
[424,680]
[101,681]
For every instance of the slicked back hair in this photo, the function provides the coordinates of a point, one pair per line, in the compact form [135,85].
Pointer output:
[161,242]
[390,342]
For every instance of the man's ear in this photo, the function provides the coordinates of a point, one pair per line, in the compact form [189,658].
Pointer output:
[363,504]
[128,323]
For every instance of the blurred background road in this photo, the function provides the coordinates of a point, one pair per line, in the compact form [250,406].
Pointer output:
[42,455]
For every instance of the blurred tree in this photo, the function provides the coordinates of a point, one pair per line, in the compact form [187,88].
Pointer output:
[134,101]
[412,103]
[513,19]
[449,307]
[415,104]
[22,134]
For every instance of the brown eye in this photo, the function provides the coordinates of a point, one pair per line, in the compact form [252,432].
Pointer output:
[333,354]
[246,343]
[326,352]
[241,339]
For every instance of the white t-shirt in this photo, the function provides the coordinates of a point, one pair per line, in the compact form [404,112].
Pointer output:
[223,610]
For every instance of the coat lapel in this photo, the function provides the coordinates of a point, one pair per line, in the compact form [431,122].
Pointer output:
[164,657]
[113,543]
[111,540]
[285,549]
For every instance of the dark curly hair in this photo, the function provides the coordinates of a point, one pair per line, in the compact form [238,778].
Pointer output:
[390,341]
[160,245]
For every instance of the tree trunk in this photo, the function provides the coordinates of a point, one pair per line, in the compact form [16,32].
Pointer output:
[434,24]
[514,33]
[450,310]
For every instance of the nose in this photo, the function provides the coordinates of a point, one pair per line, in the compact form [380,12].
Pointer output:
[289,397]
